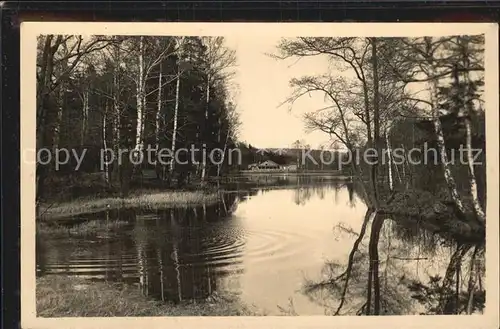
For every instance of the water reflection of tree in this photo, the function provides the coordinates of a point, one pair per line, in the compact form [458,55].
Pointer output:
[390,287]
[332,286]
[164,253]
[306,189]
[454,294]
[176,264]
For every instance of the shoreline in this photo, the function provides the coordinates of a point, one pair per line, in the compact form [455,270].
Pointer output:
[154,198]
[335,174]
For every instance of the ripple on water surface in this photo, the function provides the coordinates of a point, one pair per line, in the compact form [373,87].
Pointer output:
[222,246]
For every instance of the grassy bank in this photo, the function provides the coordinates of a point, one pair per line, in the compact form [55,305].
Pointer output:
[145,200]
[62,296]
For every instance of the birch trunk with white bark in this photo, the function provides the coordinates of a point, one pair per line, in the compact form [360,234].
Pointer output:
[116,127]
[158,111]
[438,129]
[158,127]
[105,145]
[57,123]
[116,100]
[388,145]
[376,120]
[176,108]
[85,116]
[480,215]
[203,163]
[140,98]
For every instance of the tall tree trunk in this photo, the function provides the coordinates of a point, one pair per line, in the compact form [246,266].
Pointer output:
[438,129]
[46,68]
[158,111]
[158,126]
[388,145]
[47,110]
[376,120]
[481,217]
[116,132]
[140,97]
[207,103]
[42,141]
[127,143]
[116,109]
[57,123]
[61,96]
[372,196]
[176,108]
[105,145]
[468,107]
[85,116]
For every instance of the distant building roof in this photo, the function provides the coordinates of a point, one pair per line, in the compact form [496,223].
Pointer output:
[269,163]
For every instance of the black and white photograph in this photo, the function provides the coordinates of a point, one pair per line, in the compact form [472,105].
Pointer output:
[240,171]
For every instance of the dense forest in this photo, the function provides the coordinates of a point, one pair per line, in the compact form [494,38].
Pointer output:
[130,93]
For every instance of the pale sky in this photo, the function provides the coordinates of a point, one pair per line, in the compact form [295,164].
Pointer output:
[263,86]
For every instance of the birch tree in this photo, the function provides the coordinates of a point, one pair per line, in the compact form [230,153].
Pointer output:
[141,97]
[150,52]
[180,43]
[376,116]
[466,50]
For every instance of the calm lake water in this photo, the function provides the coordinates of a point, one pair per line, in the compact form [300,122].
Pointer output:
[262,244]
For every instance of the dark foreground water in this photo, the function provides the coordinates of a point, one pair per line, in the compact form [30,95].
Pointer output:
[264,244]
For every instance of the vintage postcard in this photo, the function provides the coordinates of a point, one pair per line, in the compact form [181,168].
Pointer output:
[243,175]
